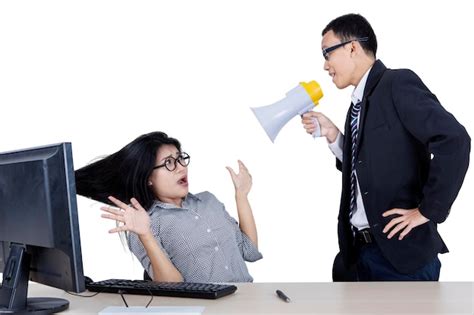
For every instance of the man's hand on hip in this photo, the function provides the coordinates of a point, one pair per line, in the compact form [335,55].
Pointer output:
[408,219]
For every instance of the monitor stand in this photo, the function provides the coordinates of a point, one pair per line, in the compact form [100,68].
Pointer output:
[14,289]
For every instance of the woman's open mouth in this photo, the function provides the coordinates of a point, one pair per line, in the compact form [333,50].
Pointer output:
[183,181]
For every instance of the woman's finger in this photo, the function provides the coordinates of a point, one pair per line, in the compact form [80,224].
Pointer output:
[118,203]
[110,209]
[136,204]
[231,172]
[113,217]
[242,164]
[122,228]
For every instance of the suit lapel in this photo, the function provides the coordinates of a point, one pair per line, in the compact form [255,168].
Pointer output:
[374,77]
[347,131]
[363,111]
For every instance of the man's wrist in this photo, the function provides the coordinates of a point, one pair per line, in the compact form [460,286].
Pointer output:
[332,135]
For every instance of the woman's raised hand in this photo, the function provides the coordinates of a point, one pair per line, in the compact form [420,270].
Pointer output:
[133,217]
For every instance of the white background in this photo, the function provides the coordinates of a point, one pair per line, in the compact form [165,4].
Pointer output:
[100,73]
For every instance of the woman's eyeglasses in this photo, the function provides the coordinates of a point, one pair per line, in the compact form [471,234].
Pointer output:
[170,162]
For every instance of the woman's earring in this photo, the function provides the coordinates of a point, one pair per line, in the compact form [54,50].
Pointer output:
[150,183]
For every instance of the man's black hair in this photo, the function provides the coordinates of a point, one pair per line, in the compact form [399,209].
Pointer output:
[352,26]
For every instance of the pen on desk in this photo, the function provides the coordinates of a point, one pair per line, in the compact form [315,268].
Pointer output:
[283,296]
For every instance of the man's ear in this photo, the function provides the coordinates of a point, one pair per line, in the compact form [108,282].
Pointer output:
[353,46]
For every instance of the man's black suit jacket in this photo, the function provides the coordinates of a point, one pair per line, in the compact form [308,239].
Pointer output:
[411,153]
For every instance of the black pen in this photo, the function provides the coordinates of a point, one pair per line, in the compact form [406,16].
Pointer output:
[283,296]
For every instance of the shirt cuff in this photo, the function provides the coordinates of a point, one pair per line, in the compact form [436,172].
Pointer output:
[249,250]
[336,146]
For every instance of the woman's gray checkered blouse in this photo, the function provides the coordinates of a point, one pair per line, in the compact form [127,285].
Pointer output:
[201,239]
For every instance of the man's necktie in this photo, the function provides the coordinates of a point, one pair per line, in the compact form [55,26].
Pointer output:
[355,110]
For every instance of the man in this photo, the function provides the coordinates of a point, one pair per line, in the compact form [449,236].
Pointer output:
[403,159]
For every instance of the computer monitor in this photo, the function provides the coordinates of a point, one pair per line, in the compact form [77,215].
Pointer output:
[39,227]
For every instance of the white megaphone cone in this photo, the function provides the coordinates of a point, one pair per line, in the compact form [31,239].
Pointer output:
[298,101]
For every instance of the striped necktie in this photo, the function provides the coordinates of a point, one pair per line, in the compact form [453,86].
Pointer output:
[355,110]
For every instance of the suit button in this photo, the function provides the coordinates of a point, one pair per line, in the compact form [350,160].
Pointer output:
[360,161]
[366,192]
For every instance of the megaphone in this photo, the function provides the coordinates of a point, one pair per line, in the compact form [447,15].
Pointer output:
[298,101]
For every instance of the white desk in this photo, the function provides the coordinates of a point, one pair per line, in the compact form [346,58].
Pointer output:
[306,298]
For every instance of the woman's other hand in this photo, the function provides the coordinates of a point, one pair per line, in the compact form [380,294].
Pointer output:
[243,180]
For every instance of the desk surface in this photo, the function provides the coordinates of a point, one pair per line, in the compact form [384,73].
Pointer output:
[306,298]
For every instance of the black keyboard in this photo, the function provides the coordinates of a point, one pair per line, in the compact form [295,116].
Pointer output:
[177,289]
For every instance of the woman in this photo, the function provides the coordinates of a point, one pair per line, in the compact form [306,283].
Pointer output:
[181,236]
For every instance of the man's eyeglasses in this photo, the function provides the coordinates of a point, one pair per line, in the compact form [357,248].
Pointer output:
[326,51]
[170,162]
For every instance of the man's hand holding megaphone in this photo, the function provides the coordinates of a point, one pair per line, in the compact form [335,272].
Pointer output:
[327,128]
[301,99]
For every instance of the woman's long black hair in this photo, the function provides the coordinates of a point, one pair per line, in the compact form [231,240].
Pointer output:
[125,173]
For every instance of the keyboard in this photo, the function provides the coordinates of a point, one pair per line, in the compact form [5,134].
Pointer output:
[176,289]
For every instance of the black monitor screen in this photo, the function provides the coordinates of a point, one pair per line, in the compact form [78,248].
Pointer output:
[38,216]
